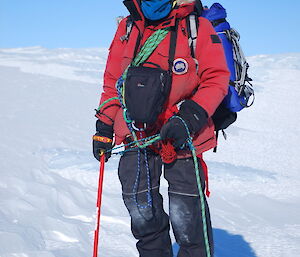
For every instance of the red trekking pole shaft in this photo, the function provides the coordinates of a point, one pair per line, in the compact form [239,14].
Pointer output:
[99,200]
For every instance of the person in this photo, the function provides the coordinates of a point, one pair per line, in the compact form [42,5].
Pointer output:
[197,88]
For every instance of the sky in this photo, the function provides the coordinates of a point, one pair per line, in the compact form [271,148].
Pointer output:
[266,27]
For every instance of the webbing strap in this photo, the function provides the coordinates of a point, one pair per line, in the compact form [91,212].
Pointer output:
[205,171]
[137,45]
[192,28]
[129,25]
[173,43]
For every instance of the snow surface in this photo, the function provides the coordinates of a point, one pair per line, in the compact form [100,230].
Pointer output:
[49,177]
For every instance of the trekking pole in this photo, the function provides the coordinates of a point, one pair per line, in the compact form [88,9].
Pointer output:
[99,199]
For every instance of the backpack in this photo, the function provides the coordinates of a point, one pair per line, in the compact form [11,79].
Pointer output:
[240,90]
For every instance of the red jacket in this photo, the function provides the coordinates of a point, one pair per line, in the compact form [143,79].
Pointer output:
[207,86]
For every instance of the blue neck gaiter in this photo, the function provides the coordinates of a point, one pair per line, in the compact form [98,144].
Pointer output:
[156,9]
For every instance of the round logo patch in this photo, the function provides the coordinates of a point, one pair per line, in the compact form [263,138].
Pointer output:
[180,66]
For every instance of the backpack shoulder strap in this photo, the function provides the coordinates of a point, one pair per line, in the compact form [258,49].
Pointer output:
[192,24]
[173,43]
[198,7]
[129,26]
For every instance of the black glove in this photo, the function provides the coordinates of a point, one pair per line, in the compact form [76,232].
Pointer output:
[102,140]
[195,118]
[175,130]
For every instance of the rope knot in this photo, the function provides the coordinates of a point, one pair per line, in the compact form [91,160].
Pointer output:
[167,153]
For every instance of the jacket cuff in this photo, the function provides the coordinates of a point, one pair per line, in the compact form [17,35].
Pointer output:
[104,130]
[195,116]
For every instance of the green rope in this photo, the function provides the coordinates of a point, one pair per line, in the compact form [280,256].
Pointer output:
[146,140]
[150,45]
[107,101]
[202,197]
[148,48]
[205,232]
[147,143]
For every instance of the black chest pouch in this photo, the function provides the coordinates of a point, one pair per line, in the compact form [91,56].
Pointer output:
[146,92]
[147,88]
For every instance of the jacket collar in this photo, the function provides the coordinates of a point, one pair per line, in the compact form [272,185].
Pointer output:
[179,12]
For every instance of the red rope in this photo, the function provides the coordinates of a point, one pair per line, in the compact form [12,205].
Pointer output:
[167,153]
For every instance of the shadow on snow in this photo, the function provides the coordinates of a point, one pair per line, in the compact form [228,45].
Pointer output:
[227,245]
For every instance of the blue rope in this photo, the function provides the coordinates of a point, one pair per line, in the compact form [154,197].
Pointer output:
[137,181]
[137,178]
[119,86]
[149,197]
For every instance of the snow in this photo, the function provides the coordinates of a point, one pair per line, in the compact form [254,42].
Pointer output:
[49,177]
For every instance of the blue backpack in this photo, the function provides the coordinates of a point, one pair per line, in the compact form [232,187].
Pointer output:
[240,90]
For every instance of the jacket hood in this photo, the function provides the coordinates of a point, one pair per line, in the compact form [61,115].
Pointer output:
[184,7]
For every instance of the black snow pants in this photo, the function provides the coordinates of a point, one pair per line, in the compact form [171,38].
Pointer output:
[150,224]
